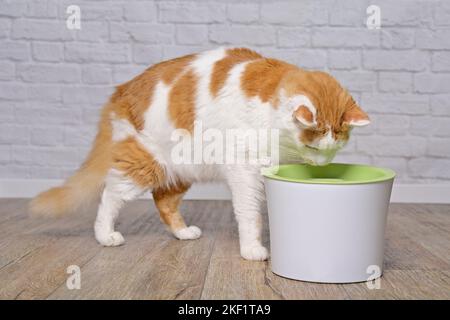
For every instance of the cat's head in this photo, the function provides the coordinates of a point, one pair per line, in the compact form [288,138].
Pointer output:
[323,113]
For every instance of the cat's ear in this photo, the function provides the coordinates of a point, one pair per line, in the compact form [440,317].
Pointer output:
[355,117]
[304,115]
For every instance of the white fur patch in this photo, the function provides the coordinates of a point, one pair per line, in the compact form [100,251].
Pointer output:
[121,129]
[188,233]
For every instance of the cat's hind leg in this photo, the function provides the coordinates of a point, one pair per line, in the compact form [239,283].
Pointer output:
[167,200]
[118,190]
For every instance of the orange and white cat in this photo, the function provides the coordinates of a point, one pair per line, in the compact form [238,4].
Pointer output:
[223,89]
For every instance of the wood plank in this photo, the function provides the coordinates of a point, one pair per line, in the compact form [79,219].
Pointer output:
[62,243]
[153,264]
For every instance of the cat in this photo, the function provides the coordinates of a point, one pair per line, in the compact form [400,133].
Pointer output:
[223,88]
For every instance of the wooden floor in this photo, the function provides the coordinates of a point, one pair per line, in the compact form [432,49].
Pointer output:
[34,256]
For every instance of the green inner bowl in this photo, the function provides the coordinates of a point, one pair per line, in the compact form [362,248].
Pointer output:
[335,173]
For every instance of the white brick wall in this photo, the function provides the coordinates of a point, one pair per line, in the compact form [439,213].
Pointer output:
[53,81]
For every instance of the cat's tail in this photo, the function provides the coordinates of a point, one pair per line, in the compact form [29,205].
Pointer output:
[85,186]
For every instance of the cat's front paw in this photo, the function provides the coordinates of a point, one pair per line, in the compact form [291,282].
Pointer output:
[112,239]
[255,252]
[188,233]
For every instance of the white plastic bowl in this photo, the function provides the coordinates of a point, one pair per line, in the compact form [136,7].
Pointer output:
[327,223]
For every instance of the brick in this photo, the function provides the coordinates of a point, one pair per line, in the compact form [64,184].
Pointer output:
[348,13]
[395,60]
[86,94]
[344,59]
[442,14]
[147,54]
[79,136]
[13,50]
[243,13]
[123,73]
[140,11]
[405,12]
[13,91]
[395,82]
[47,51]
[96,52]
[398,38]
[7,70]
[387,146]
[142,32]
[412,104]
[429,168]
[441,127]
[191,34]
[42,9]
[294,37]
[61,116]
[96,11]
[39,113]
[5,154]
[13,8]
[90,116]
[433,39]
[93,31]
[440,105]
[308,12]
[46,156]
[223,34]
[312,59]
[439,147]
[189,13]
[440,61]
[360,81]
[96,74]
[49,73]
[391,125]
[345,38]
[44,93]
[5,27]
[47,136]
[422,126]
[7,114]
[41,30]
[431,83]
[13,134]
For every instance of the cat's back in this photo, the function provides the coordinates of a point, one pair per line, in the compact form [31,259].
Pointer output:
[174,93]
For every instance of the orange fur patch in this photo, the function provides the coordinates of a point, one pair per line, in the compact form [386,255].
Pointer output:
[131,99]
[182,101]
[331,100]
[223,67]
[168,200]
[262,77]
[130,157]
[304,113]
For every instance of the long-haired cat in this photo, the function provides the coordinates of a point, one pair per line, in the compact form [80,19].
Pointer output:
[222,89]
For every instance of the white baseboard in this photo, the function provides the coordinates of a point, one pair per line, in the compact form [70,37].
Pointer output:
[402,193]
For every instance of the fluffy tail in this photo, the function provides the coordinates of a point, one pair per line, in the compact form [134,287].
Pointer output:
[84,187]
